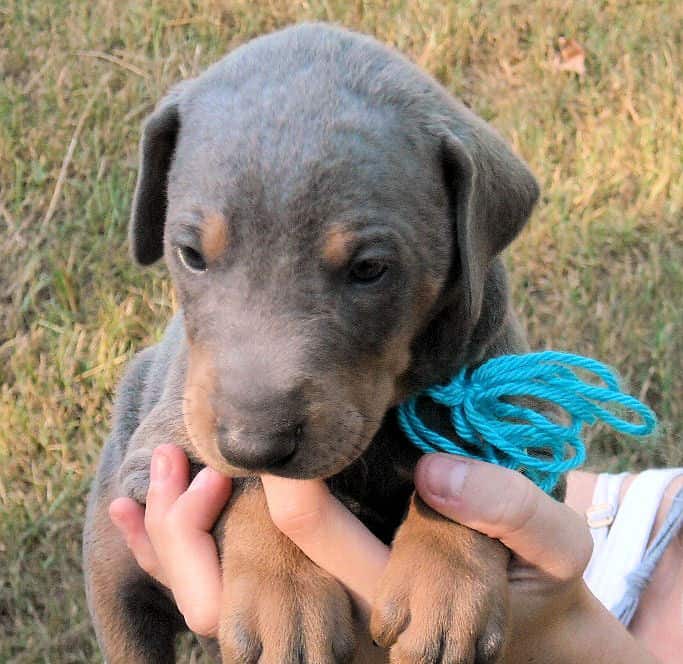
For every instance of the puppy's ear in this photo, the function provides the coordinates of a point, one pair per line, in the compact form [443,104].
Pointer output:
[493,193]
[148,216]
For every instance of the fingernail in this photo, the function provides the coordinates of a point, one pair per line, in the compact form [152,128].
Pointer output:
[161,466]
[444,476]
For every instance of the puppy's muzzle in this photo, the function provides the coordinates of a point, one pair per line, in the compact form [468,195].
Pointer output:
[259,450]
[261,433]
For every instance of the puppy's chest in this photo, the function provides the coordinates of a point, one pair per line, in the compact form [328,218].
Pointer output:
[378,486]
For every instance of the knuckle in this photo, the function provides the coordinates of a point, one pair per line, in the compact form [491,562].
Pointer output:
[173,527]
[583,549]
[578,548]
[154,494]
[297,524]
[155,520]
[515,514]
[150,521]
[297,520]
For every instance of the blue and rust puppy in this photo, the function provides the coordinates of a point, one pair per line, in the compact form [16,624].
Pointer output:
[331,219]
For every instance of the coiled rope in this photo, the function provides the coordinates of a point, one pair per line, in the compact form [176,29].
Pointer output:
[515,436]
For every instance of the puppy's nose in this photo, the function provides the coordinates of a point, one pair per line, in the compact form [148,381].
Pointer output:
[257,450]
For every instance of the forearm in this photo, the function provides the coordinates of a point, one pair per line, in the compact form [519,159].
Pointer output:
[600,634]
[586,632]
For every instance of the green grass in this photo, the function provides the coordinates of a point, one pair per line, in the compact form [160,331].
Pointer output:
[599,271]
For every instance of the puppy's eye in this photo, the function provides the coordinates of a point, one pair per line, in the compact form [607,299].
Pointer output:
[367,271]
[191,259]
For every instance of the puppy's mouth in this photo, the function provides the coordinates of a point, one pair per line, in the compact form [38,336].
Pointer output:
[282,463]
[326,437]
[322,452]
[299,467]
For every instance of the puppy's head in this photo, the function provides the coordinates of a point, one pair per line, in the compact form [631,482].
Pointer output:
[330,218]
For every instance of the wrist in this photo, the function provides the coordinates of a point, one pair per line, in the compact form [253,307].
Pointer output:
[577,628]
[604,637]
[591,632]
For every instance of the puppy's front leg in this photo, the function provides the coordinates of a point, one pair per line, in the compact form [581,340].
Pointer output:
[279,607]
[444,595]
[164,424]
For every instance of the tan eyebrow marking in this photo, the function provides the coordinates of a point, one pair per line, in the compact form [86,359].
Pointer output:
[214,232]
[338,245]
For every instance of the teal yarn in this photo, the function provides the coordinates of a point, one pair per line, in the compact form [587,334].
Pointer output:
[516,436]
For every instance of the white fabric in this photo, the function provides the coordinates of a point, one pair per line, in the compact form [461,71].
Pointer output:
[601,514]
[621,532]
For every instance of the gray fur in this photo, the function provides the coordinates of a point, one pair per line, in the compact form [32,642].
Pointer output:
[287,136]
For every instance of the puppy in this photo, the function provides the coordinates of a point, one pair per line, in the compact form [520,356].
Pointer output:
[332,220]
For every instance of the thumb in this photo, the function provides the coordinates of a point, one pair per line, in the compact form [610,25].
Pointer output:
[505,505]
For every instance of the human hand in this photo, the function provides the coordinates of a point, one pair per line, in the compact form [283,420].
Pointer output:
[171,541]
[171,537]
[553,615]
[552,612]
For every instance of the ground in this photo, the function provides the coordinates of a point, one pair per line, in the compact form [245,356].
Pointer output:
[599,270]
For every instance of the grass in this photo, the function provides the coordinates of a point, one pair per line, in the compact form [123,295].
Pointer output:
[599,271]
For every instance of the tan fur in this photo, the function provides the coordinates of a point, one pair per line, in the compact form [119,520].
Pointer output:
[433,561]
[275,599]
[214,236]
[398,354]
[337,246]
[198,415]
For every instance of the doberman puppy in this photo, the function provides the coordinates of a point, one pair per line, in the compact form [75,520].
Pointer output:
[332,220]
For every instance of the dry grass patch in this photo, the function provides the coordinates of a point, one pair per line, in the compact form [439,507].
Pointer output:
[599,271]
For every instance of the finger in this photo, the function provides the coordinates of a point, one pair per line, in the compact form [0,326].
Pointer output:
[199,507]
[193,570]
[178,521]
[505,505]
[168,480]
[129,517]
[328,534]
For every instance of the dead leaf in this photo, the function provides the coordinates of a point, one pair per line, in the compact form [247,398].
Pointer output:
[571,56]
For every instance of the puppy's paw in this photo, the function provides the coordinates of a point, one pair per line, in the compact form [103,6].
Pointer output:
[276,619]
[134,474]
[432,607]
